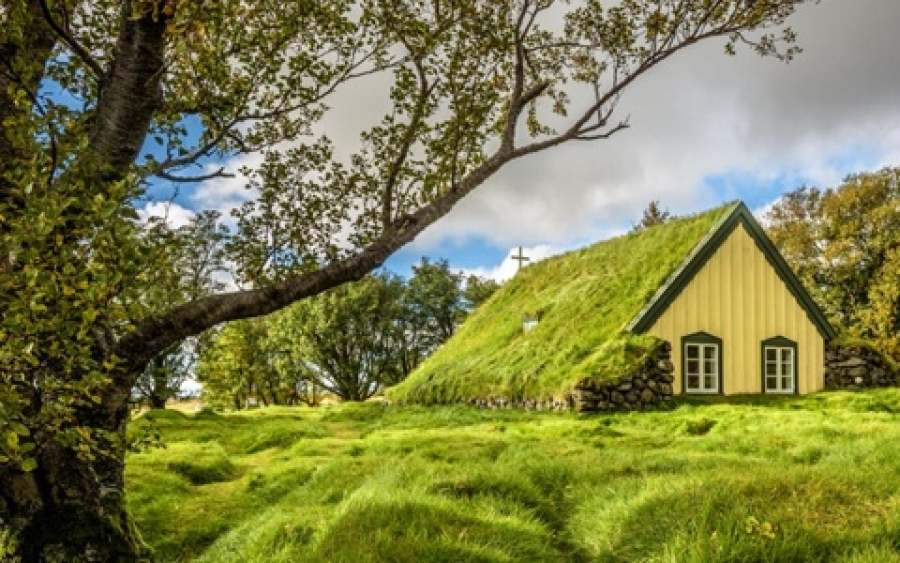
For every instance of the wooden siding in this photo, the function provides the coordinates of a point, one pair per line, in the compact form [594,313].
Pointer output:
[737,296]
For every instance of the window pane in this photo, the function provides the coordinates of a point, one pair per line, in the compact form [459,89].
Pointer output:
[709,367]
[693,381]
[771,383]
[693,351]
[786,369]
[693,366]
[787,355]
[709,352]
[709,382]
[787,384]
[771,355]
[771,369]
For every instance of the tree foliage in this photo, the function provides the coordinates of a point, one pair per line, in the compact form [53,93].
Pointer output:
[95,102]
[241,362]
[478,290]
[349,341]
[844,243]
[653,215]
[164,376]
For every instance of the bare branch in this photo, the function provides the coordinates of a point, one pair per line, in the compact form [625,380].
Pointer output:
[73,43]
[220,173]
[584,137]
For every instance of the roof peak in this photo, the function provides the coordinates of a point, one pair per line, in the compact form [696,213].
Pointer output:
[739,214]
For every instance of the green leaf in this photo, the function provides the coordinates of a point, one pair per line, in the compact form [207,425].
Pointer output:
[12,439]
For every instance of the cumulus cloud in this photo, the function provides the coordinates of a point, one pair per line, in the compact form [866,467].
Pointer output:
[704,127]
[225,194]
[172,213]
[506,269]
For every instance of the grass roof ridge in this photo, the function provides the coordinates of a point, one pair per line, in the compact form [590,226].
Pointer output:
[584,298]
[688,259]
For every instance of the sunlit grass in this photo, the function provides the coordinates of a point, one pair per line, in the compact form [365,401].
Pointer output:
[799,479]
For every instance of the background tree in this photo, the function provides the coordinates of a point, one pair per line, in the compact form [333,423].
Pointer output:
[653,215]
[347,340]
[240,363]
[844,244]
[477,290]
[164,377]
[190,261]
[434,304]
[85,86]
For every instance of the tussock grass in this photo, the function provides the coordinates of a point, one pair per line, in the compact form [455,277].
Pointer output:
[584,300]
[813,478]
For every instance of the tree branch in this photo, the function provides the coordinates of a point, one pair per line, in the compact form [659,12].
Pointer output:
[132,96]
[415,121]
[73,43]
[220,173]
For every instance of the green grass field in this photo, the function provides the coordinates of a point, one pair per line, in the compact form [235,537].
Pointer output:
[793,479]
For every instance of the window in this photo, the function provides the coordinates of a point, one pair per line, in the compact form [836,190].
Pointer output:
[779,365]
[702,366]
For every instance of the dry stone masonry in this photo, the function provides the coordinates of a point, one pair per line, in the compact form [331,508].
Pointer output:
[857,367]
[646,387]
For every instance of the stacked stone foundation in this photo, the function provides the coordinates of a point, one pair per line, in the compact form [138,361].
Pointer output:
[646,387]
[857,367]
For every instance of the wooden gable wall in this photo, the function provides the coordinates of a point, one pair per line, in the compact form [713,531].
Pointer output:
[738,296]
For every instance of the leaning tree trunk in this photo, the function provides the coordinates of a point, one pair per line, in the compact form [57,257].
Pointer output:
[71,508]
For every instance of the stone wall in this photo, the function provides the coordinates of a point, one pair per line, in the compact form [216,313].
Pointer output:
[551,404]
[646,387]
[857,367]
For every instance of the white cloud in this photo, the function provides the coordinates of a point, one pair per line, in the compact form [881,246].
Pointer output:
[508,267]
[704,116]
[225,194]
[174,214]
[704,127]
[761,212]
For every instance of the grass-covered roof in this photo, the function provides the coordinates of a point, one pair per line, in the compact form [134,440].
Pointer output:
[584,299]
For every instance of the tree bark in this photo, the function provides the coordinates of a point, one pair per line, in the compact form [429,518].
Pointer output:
[71,508]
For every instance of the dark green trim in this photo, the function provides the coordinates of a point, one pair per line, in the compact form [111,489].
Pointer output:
[702,338]
[739,215]
[780,342]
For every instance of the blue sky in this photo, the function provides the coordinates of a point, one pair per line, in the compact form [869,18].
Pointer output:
[706,129]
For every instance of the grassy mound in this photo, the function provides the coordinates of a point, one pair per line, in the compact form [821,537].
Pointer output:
[583,298]
[813,478]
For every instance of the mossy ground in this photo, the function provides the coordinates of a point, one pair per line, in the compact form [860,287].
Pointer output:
[584,300]
[755,479]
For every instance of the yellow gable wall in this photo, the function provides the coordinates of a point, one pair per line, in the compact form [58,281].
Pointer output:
[737,296]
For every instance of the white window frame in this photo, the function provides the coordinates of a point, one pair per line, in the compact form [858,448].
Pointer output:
[784,370]
[702,374]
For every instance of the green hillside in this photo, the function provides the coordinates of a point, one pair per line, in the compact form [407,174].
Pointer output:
[583,298]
